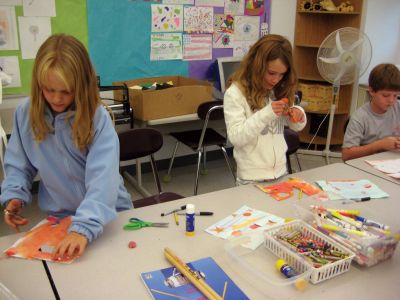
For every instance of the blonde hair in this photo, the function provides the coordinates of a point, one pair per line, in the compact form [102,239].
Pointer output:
[68,59]
[251,72]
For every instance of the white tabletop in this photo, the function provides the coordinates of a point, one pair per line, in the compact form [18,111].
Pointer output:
[26,279]
[360,163]
[110,270]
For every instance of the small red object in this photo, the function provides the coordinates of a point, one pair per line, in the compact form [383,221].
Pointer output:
[132,244]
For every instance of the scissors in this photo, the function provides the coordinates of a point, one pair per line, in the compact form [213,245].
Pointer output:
[135,224]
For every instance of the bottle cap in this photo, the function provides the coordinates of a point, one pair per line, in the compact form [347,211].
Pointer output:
[190,208]
[279,263]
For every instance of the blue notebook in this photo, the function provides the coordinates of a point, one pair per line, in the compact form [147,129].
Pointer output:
[169,283]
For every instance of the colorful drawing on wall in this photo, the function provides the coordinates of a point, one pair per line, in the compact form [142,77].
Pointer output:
[254,7]
[39,242]
[8,29]
[234,7]
[198,19]
[223,31]
[246,28]
[240,48]
[189,2]
[166,46]
[210,3]
[166,18]
[197,46]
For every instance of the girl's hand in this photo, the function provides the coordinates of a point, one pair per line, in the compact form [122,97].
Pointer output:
[280,107]
[73,245]
[295,115]
[12,215]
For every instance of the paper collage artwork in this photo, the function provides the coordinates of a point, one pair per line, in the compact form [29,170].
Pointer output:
[223,31]
[166,18]
[39,242]
[198,19]
[244,220]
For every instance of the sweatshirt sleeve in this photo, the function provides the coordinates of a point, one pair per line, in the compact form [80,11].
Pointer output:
[242,128]
[298,126]
[19,172]
[102,180]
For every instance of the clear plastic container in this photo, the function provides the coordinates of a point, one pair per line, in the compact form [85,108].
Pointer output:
[258,266]
[318,274]
[6,294]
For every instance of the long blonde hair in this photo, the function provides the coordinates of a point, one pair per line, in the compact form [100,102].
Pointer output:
[66,57]
[251,72]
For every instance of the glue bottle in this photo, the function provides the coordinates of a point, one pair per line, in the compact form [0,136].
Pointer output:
[190,219]
[289,272]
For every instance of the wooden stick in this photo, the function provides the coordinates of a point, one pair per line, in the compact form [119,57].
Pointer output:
[224,292]
[196,280]
[168,294]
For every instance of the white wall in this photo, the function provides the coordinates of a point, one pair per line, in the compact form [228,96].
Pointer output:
[283,15]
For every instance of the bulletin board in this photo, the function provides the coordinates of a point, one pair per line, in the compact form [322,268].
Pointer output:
[119,43]
[71,18]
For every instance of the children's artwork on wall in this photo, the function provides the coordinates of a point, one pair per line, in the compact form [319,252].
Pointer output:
[10,66]
[33,32]
[198,19]
[166,46]
[39,8]
[189,2]
[234,7]
[197,46]
[39,242]
[254,8]
[166,18]
[8,28]
[246,28]
[240,48]
[223,31]
[210,3]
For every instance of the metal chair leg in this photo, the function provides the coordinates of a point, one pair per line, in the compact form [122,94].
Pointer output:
[288,164]
[171,162]
[228,163]
[298,161]
[196,182]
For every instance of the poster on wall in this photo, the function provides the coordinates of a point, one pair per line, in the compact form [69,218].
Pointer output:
[8,28]
[198,19]
[197,46]
[39,8]
[166,18]
[166,46]
[254,7]
[246,28]
[10,65]
[33,32]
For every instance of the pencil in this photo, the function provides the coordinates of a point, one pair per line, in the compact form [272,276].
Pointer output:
[197,281]
[224,292]
[168,294]
[176,218]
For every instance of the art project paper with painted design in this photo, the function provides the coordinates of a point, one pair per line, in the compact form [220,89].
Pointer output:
[351,189]
[39,242]
[390,167]
[244,220]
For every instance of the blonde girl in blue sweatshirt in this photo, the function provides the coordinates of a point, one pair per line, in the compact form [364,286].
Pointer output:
[64,135]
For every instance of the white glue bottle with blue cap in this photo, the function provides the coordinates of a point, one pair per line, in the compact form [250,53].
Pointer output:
[190,219]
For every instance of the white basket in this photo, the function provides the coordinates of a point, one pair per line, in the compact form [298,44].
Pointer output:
[319,274]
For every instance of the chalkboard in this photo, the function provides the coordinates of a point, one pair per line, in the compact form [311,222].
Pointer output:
[71,18]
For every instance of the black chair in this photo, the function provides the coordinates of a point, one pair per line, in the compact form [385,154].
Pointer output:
[199,139]
[144,142]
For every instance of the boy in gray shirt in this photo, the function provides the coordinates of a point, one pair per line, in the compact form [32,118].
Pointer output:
[375,126]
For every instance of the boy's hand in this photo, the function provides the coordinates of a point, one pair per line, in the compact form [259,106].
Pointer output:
[295,115]
[390,143]
[73,245]
[280,107]
[12,215]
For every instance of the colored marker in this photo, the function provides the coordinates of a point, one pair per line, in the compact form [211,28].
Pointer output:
[372,223]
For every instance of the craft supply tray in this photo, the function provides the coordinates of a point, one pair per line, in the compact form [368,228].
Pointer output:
[258,267]
[319,274]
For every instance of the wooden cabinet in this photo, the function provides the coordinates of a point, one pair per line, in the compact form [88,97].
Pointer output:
[311,28]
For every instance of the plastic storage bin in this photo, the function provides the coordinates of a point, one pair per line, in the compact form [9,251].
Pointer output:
[318,274]
[258,267]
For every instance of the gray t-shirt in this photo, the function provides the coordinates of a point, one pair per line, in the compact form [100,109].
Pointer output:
[366,126]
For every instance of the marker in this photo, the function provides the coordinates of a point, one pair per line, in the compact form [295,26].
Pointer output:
[372,223]
[176,218]
[174,211]
[201,213]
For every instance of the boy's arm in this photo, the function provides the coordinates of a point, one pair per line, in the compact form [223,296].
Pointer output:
[385,144]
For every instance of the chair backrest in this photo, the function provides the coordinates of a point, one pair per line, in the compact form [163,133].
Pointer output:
[141,142]
[211,110]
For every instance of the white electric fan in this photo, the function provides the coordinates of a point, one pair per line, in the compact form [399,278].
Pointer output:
[343,57]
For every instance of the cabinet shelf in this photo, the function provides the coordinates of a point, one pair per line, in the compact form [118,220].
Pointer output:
[328,12]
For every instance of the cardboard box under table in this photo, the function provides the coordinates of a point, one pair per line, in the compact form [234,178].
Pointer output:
[181,99]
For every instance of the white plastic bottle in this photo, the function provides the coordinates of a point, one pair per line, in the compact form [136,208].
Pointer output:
[190,217]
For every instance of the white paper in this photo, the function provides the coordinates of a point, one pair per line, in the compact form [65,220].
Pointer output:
[8,28]
[246,28]
[39,8]
[210,3]
[166,18]
[190,2]
[198,19]
[33,32]
[11,2]
[234,7]
[166,46]
[197,46]
[240,48]
[10,66]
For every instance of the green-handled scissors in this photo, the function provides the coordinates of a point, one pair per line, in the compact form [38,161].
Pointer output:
[135,224]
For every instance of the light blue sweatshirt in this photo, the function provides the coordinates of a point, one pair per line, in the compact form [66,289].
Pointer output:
[86,185]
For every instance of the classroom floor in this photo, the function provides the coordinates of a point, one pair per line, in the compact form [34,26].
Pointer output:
[182,182]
